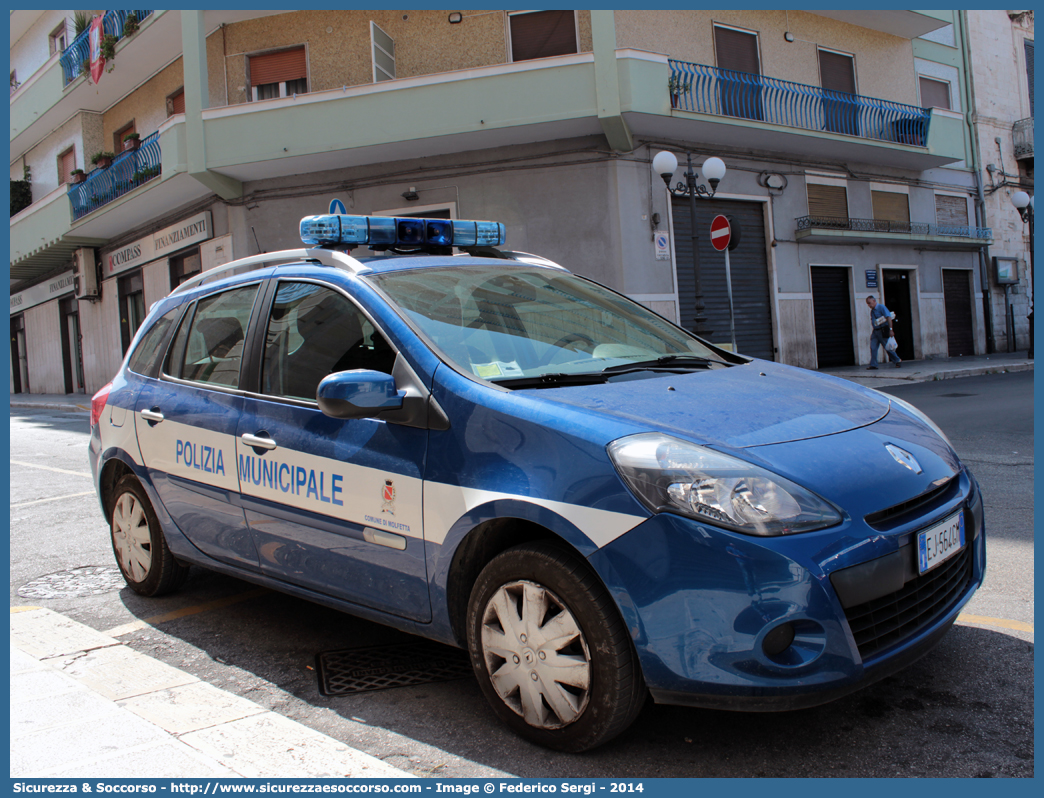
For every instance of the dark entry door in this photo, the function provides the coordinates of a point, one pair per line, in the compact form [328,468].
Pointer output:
[957,299]
[750,280]
[897,299]
[832,307]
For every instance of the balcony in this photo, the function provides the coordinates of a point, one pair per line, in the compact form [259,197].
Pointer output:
[723,92]
[1022,138]
[79,52]
[127,171]
[845,230]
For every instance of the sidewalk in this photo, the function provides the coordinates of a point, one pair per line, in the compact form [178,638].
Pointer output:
[84,705]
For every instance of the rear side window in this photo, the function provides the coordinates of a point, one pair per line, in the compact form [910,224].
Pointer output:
[312,332]
[150,347]
[213,338]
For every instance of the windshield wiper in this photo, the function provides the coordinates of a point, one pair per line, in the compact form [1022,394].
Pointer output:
[553,380]
[674,362]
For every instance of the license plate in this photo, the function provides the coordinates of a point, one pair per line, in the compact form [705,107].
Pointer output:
[941,542]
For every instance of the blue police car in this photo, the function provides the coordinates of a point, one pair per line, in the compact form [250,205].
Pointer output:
[477,446]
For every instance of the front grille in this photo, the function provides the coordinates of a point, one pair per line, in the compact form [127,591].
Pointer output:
[883,621]
[883,519]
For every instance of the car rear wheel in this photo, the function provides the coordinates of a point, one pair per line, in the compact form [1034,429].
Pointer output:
[146,563]
[550,651]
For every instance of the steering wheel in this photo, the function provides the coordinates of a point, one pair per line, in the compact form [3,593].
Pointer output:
[575,341]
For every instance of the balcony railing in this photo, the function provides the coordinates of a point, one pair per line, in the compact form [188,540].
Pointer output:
[887,226]
[128,171]
[709,90]
[1022,137]
[79,51]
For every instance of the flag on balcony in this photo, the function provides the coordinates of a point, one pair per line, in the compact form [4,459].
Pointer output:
[95,40]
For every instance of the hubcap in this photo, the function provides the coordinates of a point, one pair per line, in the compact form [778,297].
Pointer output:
[536,655]
[130,534]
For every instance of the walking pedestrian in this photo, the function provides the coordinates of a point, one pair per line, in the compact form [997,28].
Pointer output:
[881,324]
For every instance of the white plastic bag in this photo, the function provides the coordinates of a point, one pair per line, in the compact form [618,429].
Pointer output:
[891,346]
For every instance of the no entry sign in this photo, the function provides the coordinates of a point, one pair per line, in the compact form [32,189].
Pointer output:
[720,233]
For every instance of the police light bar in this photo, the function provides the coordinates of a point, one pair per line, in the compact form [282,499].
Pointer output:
[383,232]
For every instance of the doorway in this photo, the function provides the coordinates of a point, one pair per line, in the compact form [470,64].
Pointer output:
[832,309]
[19,356]
[72,345]
[960,339]
[896,296]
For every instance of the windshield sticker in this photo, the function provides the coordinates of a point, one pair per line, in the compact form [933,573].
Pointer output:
[497,368]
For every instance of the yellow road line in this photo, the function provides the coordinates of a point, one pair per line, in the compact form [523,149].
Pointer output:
[53,499]
[51,468]
[1003,623]
[134,626]
[23,608]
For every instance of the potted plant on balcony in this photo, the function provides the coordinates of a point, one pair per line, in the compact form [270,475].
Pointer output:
[677,86]
[130,25]
[131,141]
[78,175]
[108,51]
[103,160]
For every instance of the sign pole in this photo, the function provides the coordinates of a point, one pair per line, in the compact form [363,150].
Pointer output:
[732,315]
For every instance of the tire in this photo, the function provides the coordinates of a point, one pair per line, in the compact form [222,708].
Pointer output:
[141,551]
[574,691]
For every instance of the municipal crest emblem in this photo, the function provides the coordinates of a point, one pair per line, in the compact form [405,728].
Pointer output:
[389,498]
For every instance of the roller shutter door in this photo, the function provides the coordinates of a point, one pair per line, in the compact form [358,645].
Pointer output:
[957,299]
[832,307]
[750,280]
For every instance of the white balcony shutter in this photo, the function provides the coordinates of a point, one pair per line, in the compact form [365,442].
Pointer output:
[383,48]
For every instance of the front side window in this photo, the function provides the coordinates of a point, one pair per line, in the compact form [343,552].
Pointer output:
[498,324]
[312,332]
[214,339]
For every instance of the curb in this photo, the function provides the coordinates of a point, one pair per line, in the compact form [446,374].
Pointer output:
[50,406]
[86,702]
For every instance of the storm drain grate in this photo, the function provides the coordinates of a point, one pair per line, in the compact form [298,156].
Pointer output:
[87,580]
[360,670]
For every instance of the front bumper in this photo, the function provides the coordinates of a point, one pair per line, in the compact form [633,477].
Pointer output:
[711,611]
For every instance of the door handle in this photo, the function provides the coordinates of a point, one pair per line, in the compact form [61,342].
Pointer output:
[153,416]
[258,442]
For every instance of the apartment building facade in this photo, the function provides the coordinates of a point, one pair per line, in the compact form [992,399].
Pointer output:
[850,162]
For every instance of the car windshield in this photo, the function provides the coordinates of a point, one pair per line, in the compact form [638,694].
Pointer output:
[509,324]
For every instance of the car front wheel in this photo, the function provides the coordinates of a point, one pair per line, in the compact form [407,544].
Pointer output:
[550,651]
[141,551]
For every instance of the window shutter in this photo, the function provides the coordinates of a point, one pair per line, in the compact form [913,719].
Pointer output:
[827,200]
[542,34]
[890,206]
[280,67]
[1029,70]
[951,210]
[68,164]
[177,104]
[934,93]
[837,72]
[383,49]
[737,50]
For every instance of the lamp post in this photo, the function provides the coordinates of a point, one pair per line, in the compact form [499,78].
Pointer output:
[1023,202]
[664,164]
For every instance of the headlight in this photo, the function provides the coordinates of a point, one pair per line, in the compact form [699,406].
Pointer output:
[670,475]
[919,414]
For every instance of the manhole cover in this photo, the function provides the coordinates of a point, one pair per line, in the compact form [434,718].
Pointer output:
[360,670]
[87,580]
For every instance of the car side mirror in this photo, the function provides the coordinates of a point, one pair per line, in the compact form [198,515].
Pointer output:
[358,394]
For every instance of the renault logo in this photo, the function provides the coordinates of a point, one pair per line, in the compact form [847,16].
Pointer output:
[904,458]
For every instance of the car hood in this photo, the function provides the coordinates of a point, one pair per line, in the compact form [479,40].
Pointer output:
[754,404]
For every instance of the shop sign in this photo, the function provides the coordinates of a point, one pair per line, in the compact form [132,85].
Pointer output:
[160,244]
[63,284]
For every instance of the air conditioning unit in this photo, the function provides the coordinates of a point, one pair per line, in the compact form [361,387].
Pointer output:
[86,273]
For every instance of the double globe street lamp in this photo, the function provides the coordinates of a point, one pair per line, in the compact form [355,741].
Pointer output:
[1023,202]
[665,164]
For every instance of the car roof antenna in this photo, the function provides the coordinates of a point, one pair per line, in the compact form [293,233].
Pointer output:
[259,250]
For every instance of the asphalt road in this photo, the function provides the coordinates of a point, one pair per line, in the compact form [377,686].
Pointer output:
[966,709]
